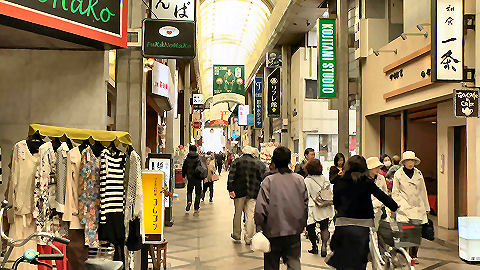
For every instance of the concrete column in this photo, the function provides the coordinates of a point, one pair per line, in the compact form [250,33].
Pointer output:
[266,120]
[285,75]
[169,147]
[186,106]
[342,76]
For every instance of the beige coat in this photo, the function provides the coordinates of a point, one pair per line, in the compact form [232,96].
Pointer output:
[411,196]
[211,170]
[380,182]
[314,184]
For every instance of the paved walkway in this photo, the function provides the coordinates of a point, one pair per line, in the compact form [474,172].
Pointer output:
[203,241]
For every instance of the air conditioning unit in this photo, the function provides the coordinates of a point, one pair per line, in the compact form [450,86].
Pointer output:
[134,37]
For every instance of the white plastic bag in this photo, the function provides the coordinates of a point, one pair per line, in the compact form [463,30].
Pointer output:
[260,243]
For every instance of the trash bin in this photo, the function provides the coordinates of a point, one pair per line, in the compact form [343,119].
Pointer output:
[469,238]
[179,181]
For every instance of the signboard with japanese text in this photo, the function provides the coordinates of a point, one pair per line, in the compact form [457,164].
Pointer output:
[465,102]
[100,20]
[243,114]
[327,58]
[273,106]
[447,40]
[168,39]
[176,10]
[162,162]
[228,79]
[198,101]
[153,207]
[160,79]
[258,102]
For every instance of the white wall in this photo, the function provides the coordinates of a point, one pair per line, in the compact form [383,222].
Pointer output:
[415,12]
[62,88]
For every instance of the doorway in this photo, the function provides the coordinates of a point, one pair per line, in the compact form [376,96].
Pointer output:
[460,172]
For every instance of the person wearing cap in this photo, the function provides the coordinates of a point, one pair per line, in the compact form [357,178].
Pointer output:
[374,166]
[410,193]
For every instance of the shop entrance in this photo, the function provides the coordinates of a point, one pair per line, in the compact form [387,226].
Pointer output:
[460,172]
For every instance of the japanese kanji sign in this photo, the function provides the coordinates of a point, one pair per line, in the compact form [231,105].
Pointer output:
[465,102]
[153,207]
[273,106]
[258,102]
[242,115]
[177,10]
[160,79]
[327,59]
[447,40]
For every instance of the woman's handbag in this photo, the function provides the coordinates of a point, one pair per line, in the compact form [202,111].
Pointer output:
[324,197]
[428,232]
[215,177]
[260,243]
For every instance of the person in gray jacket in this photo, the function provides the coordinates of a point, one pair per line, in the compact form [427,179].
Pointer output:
[281,212]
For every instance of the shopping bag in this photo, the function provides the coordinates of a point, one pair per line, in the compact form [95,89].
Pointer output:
[428,232]
[260,243]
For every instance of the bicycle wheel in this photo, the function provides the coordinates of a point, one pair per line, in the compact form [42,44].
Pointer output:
[400,261]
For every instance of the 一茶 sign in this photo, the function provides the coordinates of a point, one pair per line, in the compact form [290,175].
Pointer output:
[447,40]
[258,102]
[183,10]
[273,106]
[465,102]
[327,58]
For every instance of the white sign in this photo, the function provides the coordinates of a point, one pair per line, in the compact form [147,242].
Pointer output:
[160,79]
[198,99]
[162,164]
[242,115]
[177,10]
[449,41]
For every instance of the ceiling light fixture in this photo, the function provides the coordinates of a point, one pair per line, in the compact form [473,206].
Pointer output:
[377,52]
[404,35]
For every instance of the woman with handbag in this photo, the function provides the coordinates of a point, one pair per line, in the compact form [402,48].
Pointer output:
[320,210]
[211,178]
[352,199]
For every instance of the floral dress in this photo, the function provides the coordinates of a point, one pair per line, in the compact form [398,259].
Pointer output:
[89,196]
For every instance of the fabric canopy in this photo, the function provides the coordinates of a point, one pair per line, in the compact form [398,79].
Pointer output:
[81,134]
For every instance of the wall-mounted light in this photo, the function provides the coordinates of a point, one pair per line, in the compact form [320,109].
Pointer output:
[404,35]
[420,26]
[377,52]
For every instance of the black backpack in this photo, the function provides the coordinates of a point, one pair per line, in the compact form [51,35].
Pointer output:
[201,170]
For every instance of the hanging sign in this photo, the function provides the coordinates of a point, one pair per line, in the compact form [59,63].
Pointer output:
[176,10]
[104,20]
[465,102]
[242,115]
[228,79]
[327,58]
[168,39]
[153,207]
[273,106]
[250,119]
[447,40]
[258,102]
[160,79]
[198,101]
[274,59]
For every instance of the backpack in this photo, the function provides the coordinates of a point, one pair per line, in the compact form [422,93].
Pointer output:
[201,170]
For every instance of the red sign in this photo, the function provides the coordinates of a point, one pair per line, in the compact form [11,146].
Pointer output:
[197,125]
[218,123]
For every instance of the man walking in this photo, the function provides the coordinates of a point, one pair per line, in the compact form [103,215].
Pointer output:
[219,161]
[300,167]
[244,179]
[195,170]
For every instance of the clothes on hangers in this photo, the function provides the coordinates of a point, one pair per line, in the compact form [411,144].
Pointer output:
[61,176]
[134,203]
[71,211]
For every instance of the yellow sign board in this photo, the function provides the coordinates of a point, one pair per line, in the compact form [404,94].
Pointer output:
[153,207]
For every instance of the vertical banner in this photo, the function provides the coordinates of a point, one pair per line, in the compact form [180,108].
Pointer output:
[243,111]
[273,106]
[228,83]
[447,40]
[327,58]
[258,102]
[153,207]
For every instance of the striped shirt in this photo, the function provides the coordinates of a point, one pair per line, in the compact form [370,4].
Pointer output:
[112,174]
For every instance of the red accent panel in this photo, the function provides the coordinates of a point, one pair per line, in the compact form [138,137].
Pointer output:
[52,22]
[408,227]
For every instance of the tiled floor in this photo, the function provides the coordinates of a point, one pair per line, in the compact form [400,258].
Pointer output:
[203,241]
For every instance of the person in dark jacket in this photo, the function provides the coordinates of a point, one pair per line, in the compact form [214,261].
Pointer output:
[352,198]
[192,161]
[338,163]
[300,167]
[244,179]
[281,212]
[219,158]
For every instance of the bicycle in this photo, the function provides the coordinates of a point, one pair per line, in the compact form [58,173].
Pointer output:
[30,256]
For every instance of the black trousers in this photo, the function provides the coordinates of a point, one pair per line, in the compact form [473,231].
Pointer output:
[288,247]
[198,193]
[219,168]
[206,186]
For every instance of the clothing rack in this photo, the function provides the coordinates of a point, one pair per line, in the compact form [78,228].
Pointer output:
[82,134]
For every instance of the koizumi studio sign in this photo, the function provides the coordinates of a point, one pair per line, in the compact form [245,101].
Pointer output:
[327,59]
[465,102]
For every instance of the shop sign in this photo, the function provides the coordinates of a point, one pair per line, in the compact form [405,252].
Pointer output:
[250,119]
[258,102]
[168,39]
[274,59]
[327,58]
[273,106]
[162,162]
[447,40]
[465,102]
[160,79]
[176,10]
[153,207]
[198,101]
[228,79]
[243,114]
[102,20]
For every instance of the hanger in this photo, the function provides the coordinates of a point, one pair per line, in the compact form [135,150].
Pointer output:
[84,145]
[113,147]
[34,142]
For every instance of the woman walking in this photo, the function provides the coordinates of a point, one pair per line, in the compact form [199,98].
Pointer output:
[387,163]
[321,215]
[374,165]
[353,202]
[338,163]
[211,178]
[411,194]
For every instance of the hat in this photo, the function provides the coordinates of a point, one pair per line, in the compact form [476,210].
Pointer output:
[409,155]
[373,163]
[249,150]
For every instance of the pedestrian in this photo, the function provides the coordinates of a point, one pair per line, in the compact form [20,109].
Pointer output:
[195,170]
[391,172]
[387,163]
[211,178]
[281,212]
[411,194]
[300,167]
[219,162]
[352,199]
[321,215]
[244,179]
[338,163]
[229,160]
[374,165]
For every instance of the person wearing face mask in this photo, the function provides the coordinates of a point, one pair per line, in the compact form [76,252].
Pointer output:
[387,163]
[410,193]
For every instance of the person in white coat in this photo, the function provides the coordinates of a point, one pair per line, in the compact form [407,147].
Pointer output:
[410,193]
[374,165]
[316,182]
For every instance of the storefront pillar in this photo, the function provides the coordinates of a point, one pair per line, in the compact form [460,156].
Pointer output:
[186,106]
[169,146]
[286,73]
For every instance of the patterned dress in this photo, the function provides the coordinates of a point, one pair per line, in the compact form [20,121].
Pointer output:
[89,197]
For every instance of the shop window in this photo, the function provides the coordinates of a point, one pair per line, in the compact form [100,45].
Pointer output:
[311,89]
